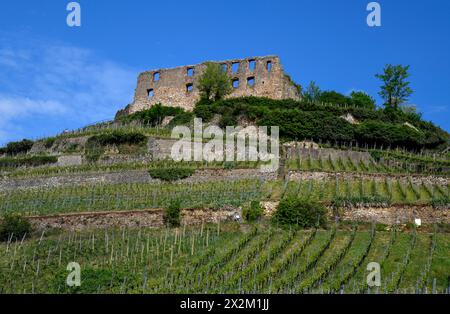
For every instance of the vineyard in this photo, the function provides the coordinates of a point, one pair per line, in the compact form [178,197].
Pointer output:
[292,164]
[228,258]
[111,219]
[216,194]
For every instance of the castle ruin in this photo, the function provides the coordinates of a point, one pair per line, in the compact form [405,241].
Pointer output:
[177,87]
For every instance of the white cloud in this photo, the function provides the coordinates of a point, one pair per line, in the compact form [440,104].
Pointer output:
[57,81]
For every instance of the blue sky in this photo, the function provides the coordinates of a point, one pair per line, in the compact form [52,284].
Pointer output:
[53,77]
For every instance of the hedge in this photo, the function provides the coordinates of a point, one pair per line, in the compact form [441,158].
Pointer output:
[171,174]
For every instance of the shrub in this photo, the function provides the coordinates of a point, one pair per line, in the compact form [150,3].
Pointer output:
[388,134]
[172,215]
[14,227]
[183,118]
[116,138]
[15,148]
[299,120]
[153,116]
[440,203]
[48,142]
[363,100]
[171,174]
[227,120]
[126,142]
[300,212]
[253,212]
[229,165]
[333,97]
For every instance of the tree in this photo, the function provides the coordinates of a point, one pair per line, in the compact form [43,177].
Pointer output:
[333,97]
[363,100]
[395,90]
[312,92]
[214,83]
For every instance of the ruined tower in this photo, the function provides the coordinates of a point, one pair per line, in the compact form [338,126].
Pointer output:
[177,87]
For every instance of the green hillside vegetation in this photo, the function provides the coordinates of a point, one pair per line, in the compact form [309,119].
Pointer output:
[322,122]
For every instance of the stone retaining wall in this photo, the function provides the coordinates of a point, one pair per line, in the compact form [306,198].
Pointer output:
[144,218]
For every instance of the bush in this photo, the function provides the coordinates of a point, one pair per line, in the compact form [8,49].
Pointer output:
[153,116]
[253,212]
[48,142]
[183,118]
[300,212]
[388,134]
[171,174]
[363,100]
[333,97]
[15,148]
[299,120]
[229,165]
[227,120]
[172,215]
[14,227]
[440,203]
[116,138]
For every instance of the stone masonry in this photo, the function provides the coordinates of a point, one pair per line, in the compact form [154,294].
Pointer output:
[177,87]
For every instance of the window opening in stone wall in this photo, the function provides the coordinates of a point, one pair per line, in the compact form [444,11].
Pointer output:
[189,87]
[150,93]
[251,65]
[269,66]
[224,67]
[190,71]
[251,81]
[235,67]
[235,83]
[155,76]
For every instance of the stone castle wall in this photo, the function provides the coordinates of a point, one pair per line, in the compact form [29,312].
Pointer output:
[177,87]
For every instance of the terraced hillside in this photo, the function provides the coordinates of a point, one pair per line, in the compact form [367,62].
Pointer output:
[100,196]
